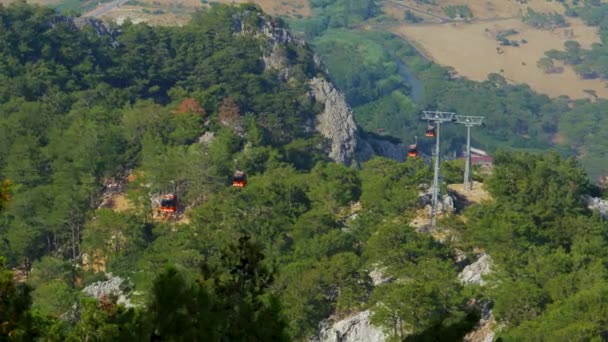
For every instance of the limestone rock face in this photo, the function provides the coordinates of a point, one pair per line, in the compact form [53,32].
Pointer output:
[472,274]
[102,28]
[276,38]
[485,330]
[206,138]
[599,205]
[379,276]
[336,122]
[357,328]
[114,286]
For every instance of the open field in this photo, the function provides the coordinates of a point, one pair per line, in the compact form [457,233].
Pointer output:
[471,49]
[482,9]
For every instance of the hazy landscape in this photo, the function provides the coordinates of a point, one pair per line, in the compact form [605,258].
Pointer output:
[205,171]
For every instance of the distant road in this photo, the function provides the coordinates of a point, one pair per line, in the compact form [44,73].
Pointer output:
[105,8]
[441,19]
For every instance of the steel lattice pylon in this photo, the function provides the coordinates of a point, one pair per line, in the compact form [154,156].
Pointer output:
[438,118]
[468,121]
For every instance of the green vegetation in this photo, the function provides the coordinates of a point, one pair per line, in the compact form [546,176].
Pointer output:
[548,249]
[410,17]
[588,63]
[541,20]
[458,11]
[504,40]
[332,14]
[271,260]
[138,108]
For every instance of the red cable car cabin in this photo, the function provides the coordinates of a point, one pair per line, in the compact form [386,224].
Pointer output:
[430,131]
[168,203]
[239,179]
[412,150]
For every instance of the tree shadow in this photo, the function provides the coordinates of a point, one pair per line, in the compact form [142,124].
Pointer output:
[455,331]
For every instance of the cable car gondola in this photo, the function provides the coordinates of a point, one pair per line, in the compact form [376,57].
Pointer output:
[430,131]
[239,179]
[168,204]
[412,151]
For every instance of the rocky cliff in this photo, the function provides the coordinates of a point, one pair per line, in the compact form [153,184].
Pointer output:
[357,328]
[114,286]
[337,121]
[473,273]
[102,28]
[599,205]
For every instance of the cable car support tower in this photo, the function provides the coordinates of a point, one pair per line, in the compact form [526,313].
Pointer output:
[468,121]
[438,118]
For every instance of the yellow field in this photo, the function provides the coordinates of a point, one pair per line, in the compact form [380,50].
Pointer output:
[471,49]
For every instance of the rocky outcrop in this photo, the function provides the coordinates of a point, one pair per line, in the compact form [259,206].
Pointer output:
[485,329]
[114,286]
[102,29]
[276,37]
[379,276]
[206,138]
[357,328]
[599,205]
[336,122]
[473,273]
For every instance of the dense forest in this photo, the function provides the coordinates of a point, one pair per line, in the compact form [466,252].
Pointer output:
[80,111]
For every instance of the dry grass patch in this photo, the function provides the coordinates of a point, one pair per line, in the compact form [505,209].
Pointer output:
[477,194]
[471,49]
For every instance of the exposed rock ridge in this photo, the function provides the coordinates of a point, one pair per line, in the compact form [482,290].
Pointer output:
[336,122]
[114,286]
[357,328]
[100,27]
[473,273]
[486,326]
[599,205]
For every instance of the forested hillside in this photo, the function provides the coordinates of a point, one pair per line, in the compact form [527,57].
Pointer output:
[145,110]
